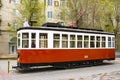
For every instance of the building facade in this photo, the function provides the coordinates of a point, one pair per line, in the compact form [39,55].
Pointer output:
[8,13]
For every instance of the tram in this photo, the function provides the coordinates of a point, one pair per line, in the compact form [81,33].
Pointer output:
[63,46]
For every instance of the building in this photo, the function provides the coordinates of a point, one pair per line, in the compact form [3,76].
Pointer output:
[6,18]
[8,13]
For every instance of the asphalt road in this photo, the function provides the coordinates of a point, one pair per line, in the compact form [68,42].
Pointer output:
[62,74]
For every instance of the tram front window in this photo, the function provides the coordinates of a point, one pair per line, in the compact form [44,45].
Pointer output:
[25,40]
[18,41]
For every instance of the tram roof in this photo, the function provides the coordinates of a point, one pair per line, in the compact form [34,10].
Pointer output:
[59,27]
[66,29]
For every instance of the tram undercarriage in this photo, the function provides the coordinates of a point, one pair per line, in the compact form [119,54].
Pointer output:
[66,65]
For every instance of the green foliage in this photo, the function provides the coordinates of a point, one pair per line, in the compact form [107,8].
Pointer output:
[99,14]
[32,11]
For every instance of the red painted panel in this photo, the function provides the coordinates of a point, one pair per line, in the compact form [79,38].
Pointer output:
[63,55]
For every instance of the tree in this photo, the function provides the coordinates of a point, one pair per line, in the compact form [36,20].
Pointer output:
[84,13]
[32,11]
[74,11]
[116,22]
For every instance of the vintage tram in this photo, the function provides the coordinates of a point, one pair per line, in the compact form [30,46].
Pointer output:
[62,46]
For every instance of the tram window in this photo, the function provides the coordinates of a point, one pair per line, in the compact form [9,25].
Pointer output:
[18,35]
[72,41]
[97,41]
[109,42]
[56,42]
[25,43]
[43,40]
[64,41]
[25,40]
[86,41]
[25,35]
[79,41]
[113,42]
[92,41]
[103,41]
[18,40]
[33,45]
[33,38]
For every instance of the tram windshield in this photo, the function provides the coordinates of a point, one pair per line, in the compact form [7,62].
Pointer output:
[25,40]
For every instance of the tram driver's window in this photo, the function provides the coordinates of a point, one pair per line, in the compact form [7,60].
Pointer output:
[25,40]
[18,40]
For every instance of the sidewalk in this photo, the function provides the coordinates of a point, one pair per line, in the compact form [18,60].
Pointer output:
[4,75]
[8,56]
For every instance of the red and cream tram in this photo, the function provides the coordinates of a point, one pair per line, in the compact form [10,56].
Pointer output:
[63,46]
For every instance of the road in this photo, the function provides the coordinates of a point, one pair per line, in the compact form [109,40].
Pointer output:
[63,74]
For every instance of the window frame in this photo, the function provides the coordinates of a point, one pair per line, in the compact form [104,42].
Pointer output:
[92,41]
[43,41]
[65,41]
[86,41]
[33,40]
[98,40]
[50,2]
[25,39]
[49,14]
[103,41]
[113,42]
[109,42]
[55,45]
[72,41]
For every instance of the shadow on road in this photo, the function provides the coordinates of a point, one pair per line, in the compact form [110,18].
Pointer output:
[47,69]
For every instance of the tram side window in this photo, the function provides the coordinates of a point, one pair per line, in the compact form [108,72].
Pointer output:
[97,41]
[79,41]
[113,42]
[64,41]
[72,41]
[86,41]
[25,40]
[92,41]
[103,42]
[18,41]
[56,42]
[109,42]
[43,42]
[33,42]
